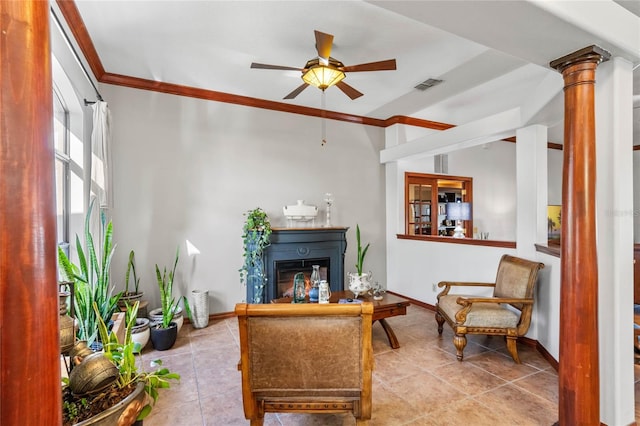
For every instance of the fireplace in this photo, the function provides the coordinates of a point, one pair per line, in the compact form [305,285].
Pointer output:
[285,270]
[294,250]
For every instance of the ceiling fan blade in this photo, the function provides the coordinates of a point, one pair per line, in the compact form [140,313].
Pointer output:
[348,90]
[296,92]
[274,67]
[323,45]
[388,65]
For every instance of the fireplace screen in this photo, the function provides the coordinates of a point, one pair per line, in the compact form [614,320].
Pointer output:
[287,269]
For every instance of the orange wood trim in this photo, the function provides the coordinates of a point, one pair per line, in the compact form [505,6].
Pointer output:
[215,317]
[211,95]
[636,147]
[414,301]
[550,250]
[550,145]
[545,354]
[524,340]
[30,393]
[451,240]
[401,119]
[579,378]
[76,24]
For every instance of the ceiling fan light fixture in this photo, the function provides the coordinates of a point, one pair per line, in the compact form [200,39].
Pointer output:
[322,76]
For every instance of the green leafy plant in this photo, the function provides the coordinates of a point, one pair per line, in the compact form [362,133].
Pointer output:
[91,278]
[361,252]
[122,354]
[255,238]
[165,284]
[131,267]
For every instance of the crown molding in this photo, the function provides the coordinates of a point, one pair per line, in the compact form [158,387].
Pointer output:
[74,20]
[212,95]
[76,24]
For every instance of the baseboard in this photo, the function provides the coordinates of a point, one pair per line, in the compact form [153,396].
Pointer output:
[214,317]
[524,340]
[532,343]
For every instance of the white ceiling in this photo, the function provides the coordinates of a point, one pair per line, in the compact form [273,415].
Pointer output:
[492,55]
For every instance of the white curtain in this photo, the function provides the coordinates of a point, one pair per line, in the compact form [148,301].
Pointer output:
[101,186]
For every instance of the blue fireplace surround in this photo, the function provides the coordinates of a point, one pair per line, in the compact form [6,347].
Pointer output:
[289,244]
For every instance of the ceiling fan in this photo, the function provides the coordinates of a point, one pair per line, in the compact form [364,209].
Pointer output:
[325,71]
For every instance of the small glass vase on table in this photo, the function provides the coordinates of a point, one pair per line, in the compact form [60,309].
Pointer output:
[299,290]
[314,281]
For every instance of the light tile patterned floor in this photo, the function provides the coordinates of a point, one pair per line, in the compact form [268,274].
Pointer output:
[419,384]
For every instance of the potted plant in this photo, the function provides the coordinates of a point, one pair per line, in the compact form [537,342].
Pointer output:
[165,331]
[130,296]
[91,279]
[135,391]
[255,238]
[360,283]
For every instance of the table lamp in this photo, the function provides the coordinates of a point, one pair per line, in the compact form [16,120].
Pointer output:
[458,212]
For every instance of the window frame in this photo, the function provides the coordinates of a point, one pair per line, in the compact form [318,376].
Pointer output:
[438,183]
[64,157]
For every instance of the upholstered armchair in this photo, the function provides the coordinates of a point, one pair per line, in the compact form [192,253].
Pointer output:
[506,313]
[305,358]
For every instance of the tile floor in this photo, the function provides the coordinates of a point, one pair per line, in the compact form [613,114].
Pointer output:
[419,384]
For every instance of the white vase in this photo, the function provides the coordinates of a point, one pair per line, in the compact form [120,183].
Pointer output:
[359,283]
[140,333]
[200,308]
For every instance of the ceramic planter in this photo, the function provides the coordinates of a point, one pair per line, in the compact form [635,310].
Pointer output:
[141,332]
[129,298]
[164,338]
[156,317]
[200,308]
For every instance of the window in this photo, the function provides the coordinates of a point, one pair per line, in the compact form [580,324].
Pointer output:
[62,159]
[69,181]
[426,197]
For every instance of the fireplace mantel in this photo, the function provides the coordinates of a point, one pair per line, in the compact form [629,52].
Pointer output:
[306,243]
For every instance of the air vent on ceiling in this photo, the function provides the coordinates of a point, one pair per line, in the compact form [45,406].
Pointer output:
[428,84]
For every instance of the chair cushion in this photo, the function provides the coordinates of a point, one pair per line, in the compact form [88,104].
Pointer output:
[481,314]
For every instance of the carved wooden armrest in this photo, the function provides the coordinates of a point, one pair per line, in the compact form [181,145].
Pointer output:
[467,303]
[448,284]
[464,301]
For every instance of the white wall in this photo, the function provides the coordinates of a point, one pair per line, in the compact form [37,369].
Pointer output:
[554,176]
[188,169]
[413,267]
[547,305]
[493,169]
[636,195]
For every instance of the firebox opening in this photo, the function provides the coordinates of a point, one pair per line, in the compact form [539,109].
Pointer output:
[287,269]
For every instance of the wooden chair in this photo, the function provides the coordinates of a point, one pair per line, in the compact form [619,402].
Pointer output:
[506,313]
[305,358]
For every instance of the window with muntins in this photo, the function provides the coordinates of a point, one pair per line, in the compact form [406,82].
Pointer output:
[426,197]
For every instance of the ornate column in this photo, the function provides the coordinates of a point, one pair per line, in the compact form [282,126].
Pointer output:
[578,372]
[30,393]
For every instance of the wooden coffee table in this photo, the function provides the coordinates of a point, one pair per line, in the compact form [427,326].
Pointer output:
[390,306]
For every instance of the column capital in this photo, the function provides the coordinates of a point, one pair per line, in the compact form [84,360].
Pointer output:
[593,53]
